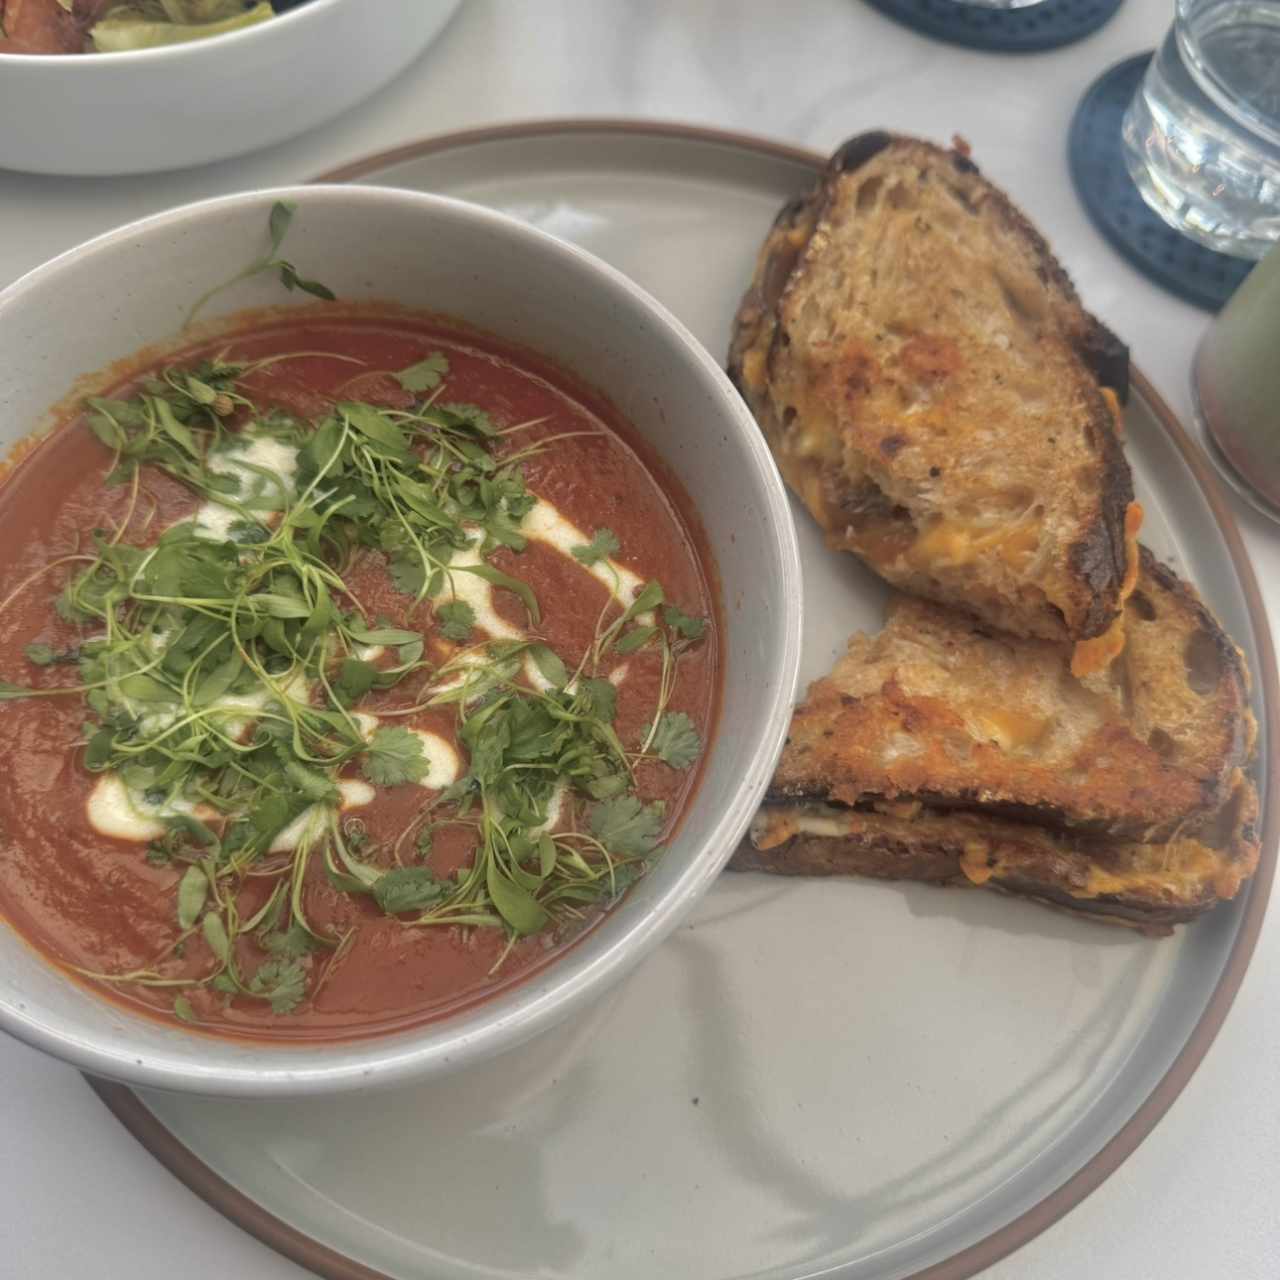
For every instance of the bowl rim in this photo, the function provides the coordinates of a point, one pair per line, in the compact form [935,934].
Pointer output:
[191,48]
[510,1017]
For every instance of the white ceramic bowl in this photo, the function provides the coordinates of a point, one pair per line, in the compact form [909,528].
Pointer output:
[110,297]
[193,103]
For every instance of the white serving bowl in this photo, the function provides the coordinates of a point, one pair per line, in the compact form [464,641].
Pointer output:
[187,104]
[130,288]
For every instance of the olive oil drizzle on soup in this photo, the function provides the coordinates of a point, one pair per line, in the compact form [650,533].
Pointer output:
[352,667]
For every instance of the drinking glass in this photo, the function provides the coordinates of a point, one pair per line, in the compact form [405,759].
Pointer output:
[1236,387]
[1202,135]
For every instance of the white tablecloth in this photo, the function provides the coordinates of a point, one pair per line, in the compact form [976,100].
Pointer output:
[1199,1199]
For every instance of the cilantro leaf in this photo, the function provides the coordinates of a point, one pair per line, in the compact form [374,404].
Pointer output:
[41,655]
[606,786]
[455,620]
[283,982]
[626,827]
[355,679]
[601,697]
[291,944]
[425,374]
[676,741]
[407,889]
[471,415]
[394,756]
[683,624]
[604,543]
[409,574]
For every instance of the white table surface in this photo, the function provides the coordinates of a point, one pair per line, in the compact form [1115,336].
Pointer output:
[1198,1199]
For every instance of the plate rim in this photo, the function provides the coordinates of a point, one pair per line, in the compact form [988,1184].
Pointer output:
[288,1240]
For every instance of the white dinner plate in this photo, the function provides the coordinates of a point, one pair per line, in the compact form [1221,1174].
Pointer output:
[813,1076]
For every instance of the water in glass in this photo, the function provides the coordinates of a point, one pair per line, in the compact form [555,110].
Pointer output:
[1202,135]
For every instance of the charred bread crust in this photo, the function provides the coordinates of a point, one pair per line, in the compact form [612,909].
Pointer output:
[1100,558]
[854,152]
[890,859]
[1107,356]
[1148,887]
[1095,559]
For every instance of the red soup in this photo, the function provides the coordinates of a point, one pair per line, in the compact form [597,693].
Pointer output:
[353,665]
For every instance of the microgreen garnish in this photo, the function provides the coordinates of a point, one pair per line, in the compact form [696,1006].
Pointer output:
[682,624]
[408,889]
[277,227]
[394,756]
[455,620]
[44,655]
[281,982]
[676,741]
[603,544]
[627,826]
[424,375]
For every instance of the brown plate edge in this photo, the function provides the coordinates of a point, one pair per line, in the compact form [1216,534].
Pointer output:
[285,1239]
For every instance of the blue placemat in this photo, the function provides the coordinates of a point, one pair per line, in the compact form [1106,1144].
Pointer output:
[1180,264]
[1038,26]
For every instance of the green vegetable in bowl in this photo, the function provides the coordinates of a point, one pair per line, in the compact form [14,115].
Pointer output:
[152,23]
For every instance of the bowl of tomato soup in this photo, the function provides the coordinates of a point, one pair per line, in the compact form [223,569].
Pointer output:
[399,622]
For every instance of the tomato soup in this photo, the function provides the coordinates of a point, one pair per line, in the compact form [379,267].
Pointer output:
[354,665]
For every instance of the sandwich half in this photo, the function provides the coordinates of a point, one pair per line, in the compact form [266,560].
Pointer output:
[942,750]
[936,395]
[1150,887]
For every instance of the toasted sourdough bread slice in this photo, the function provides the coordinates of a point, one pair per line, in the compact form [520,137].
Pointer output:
[937,708]
[933,391]
[1146,886]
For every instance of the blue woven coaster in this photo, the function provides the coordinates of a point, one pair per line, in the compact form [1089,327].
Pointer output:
[1038,26]
[1180,264]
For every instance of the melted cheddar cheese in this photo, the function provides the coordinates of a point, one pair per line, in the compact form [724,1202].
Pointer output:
[1113,405]
[753,369]
[976,862]
[954,544]
[1010,729]
[1189,868]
